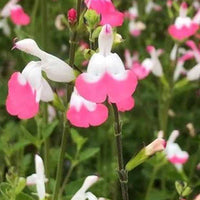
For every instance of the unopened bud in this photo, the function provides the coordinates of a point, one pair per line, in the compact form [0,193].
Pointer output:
[72,16]
[171,113]
[59,22]
[157,145]
[92,19]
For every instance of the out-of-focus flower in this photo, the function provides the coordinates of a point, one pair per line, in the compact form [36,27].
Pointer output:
[157,69]
[152,6]
[108,12]
[156,146]
[196,4]
[191,129]
[59,22]
[72,16]
[132,12]
[174,153]
[82,193]
[197,197]
[184,26]
[38,178]
[106,75]
[5,27]
[171,113]
[169,3]
[136,27]
[26,89]
[13,10]
[83,113]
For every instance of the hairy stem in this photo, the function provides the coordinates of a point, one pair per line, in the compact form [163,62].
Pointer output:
[123,175]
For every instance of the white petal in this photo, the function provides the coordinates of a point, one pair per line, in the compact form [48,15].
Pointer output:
[128,59]
[41,189]
[194,73]
[29,46]
[90,196]
[32,73]
[174,52]
[97,65]
[89,181]
[5,12]
[179,69]
[46,91]
[196,18]
[148,64]
[173,136]
[56,69]
[105,40]
[39,166]
[31,180]
[4,25]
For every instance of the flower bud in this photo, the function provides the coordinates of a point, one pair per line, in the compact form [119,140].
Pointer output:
[72,16]
[156,146]
[92,19]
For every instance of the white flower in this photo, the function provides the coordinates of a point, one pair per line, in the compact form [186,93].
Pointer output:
[38,178]
[81,194]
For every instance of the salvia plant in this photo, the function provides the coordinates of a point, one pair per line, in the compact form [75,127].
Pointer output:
[99,99]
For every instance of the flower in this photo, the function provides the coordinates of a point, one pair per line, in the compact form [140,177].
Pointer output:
[26,89]
[81,194]
[16,13]
[152,6]
[83,113]
[109,15]
[157,67]
[106,75]
[184,26]
[38,178]
[174,153]
[157,145]
[135,28]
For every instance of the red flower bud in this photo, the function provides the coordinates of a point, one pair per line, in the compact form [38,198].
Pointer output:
[72,16]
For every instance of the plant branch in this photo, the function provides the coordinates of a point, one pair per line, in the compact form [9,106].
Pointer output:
[123,174]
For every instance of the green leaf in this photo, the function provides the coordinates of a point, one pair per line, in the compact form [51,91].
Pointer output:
[88,153]
[57,103]
[180,84]
[23,196]
[78,139]
[136,160]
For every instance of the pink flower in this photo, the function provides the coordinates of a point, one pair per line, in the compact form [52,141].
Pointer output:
[109,15]
[26,89]
[132,11]
[184,26]
[174,153]
[126,104]
[106,75]
[152,6]
[135,28]
[16,13]
[83,113]
[72,16]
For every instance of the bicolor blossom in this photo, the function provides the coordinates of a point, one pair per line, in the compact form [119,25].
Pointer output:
[152,6]
[141,70]
[38,178]
[184,26]
[106,76]
[83,113]
[82,193]
[132,12]
[13,10]
[174,153]
[26,89]
[108,12]
[136,27]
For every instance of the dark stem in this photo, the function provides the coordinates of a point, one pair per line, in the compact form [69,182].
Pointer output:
[123,174]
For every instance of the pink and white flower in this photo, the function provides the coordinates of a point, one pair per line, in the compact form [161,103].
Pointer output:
[26,89]
[82,193]
[184,26]
[132,12]
[174,153]
[84,113]
[136,27]
[152,6]
[13,10]
[38,178]
[106,75]
[108,12]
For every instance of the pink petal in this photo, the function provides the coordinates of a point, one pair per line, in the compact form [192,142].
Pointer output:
[19,17]
[118,90]
[114,18]
[126,104]
[21,100]
[108,85]
[135,33]
[177,160]
[92,91]
[184,32]
[140,71]
[84,118]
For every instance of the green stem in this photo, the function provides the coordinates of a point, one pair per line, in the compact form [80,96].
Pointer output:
[66,127]
[33,15]
[123,175]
